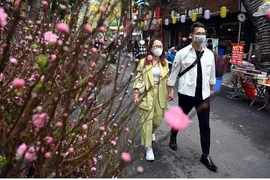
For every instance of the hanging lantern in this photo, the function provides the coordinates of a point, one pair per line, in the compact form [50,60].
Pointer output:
[142,23]
[145,23]
[158,12]
[160,21]
[174,19]
[154,21]
[183,18]
[207,14]
[166,22]
[266,0]
[223,11]
[194,17]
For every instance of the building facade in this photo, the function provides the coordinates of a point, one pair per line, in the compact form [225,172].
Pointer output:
[235,27]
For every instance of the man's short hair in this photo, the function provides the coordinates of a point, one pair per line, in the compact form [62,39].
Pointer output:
[196,25]
[209,41]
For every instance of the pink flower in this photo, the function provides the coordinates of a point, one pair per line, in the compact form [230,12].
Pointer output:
[176,118]
[39,120]
[268,14]
[95,160]
[3,17]
[17,4]
[20,151]
[102,41]
[184,39]
[13,61]
[103,29]
[60,42]
[84,126]
[87,27]
[71,150]
[113,143]
[59,124]
[93,64]
[50,37]
[44,2]
[93,169]
[62,27]
[1,77]
[47,155]
[30,154]
[150,57]
[94,50]
[102,128]
[102,9]
[53,57]
[48,139]
[18,83]
[126,156]
[140,169]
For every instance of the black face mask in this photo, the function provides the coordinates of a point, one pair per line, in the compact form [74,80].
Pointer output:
[210,46]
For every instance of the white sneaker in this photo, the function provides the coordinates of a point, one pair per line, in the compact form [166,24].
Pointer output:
[149,154]
[153,137]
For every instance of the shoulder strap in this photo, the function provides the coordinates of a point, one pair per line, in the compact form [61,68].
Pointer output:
[192,65]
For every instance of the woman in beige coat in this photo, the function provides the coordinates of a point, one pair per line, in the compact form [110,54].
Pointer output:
[150,93]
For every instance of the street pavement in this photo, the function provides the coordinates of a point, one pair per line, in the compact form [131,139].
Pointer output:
[240,143]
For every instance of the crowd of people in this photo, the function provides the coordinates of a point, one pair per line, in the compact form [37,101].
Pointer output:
[154,83]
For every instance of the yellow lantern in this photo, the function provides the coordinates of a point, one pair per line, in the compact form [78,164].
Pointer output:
[142,23]
[266,0]
[160,21]
[174,19]
[194,17]
[223,11]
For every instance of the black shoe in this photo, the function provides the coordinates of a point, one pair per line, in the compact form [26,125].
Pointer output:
[206,160]
[172,142]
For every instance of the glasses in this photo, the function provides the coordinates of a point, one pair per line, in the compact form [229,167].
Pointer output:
[199,33]
[155,47]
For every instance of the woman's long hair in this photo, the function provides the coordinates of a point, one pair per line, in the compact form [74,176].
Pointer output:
[148,52]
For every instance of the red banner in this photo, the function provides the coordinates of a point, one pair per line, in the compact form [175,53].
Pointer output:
[237,54]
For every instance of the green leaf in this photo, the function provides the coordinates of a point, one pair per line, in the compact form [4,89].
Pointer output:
[42,62]
[34,46]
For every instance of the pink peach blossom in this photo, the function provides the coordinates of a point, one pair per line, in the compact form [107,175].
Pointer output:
[47,155]
[102,9]
[87,27]
[113,143]
[102,41]
[17,4]
[93,169]
[140,169]
[176,118]
[93,64]
[13,61]
[62,27]
[3,17]
[94,50]
[18,83]
[1,77]
[126,157]
[150,57]
[48,139]
[53,57]
[102,128]
[184,39]
[39,120]
[60,42]
[30,154]
[71,150]
[20,151]
[84,126]
[59,124]
[49,37]
[44,2]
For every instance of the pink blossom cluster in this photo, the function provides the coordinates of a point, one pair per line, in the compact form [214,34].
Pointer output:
[3,17]
[28,153]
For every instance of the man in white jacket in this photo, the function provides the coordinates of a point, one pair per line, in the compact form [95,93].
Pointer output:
[195,87]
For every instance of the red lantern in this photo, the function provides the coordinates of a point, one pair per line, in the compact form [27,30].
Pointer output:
[134,10]
[158,12]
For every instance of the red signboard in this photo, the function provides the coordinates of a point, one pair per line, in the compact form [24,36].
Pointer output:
[237,54]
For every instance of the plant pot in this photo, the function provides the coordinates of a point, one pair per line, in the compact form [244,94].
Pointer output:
[217,86]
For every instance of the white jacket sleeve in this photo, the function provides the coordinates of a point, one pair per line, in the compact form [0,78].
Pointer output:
[213,72]
[176,67]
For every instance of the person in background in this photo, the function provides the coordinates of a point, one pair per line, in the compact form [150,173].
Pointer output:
[195,87]
[209,44]
[150,93]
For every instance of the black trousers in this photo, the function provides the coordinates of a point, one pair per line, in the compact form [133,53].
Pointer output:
[203,111]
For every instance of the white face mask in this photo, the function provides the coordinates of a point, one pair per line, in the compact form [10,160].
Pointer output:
[199,39]
[157,52]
